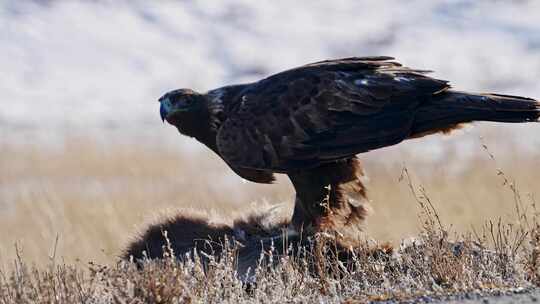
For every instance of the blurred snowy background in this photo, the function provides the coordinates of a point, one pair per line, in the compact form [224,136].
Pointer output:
[70,66]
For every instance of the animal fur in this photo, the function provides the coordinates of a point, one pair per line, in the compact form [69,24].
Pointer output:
[187,231]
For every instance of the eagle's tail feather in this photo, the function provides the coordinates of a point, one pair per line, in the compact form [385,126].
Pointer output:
[452,109]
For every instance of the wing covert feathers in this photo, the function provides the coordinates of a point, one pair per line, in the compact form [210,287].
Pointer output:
[335,109]
[322,112]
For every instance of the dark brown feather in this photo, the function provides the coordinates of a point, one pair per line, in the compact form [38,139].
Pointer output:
[332,198]
[322,112]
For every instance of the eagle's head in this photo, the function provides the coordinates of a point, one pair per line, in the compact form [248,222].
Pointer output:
[186,110]
[191,113]
[179,104]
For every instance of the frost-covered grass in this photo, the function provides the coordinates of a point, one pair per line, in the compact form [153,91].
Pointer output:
[501,257]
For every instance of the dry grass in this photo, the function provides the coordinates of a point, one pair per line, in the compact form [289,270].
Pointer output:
[429,266]
[81,201]
[94,194]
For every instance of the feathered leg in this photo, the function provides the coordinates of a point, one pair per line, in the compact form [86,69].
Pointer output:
[331,198]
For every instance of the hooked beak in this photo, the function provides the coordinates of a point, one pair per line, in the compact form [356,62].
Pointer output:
[168,109]
[165,107]
[162,112]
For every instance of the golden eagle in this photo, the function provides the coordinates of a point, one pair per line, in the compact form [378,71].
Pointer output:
[310,122]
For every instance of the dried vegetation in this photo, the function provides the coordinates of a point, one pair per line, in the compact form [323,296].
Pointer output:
[498,254]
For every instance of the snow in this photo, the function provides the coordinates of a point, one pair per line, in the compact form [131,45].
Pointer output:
[69,65]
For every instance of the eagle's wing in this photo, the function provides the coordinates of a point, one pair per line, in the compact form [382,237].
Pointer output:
[322,112]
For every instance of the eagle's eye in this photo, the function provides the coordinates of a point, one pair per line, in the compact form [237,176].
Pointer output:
[182,101]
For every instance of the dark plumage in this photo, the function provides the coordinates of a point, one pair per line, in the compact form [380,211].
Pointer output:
[311,121]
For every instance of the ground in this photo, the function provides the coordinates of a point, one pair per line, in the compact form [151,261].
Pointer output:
[81,201]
